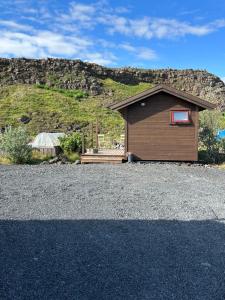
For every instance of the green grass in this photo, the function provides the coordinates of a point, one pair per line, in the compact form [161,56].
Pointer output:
[5,161]
[76,94]
[54,109]
[122,91]
[38,157]
[72,156]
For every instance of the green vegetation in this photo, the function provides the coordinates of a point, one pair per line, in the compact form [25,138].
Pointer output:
[72,156]
[44,108]
[4,160]
[38,157]
[122,91]
[14,145]
[76,94]
[54,109]
[211,149]
[71,142]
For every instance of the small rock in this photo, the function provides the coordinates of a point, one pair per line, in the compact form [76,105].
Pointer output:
[25,119]
[77,162]
[54,160]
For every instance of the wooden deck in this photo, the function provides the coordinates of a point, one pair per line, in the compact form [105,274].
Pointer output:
[104,156]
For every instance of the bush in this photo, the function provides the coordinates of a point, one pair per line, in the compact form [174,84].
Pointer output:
[72,156]
[14,145]
[210,145]
[38,157]
[71,143]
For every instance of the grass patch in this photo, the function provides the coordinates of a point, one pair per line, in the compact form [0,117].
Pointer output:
[122,91]
[72,156]
[53,109]
[38,157]
[76,94]
[5,161]
[221,166]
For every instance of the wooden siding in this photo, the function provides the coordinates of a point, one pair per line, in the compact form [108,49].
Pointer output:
[150,134]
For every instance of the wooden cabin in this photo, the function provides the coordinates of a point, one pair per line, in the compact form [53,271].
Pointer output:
[162,124]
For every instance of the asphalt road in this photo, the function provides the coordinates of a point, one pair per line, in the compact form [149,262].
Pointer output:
[112,232]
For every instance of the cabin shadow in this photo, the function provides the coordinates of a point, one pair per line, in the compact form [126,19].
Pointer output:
[112,259]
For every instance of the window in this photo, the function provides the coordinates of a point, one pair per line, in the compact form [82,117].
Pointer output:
[180,116]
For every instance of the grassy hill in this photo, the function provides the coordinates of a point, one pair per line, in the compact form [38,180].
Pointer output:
[54,109]
[63,95]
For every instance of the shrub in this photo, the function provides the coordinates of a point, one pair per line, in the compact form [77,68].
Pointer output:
[72,156]
[71,143]
[211,146]
[38,157]
[14,144]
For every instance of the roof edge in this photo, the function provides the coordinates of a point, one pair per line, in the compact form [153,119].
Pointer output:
[162,88]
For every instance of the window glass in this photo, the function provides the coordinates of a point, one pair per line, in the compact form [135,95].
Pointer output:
[180,116]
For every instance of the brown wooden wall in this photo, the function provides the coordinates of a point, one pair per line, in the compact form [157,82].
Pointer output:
[150,134]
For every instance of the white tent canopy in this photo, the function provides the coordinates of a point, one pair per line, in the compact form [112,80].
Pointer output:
[47,140]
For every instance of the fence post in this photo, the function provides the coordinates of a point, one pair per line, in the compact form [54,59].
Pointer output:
[92,135]
[97,133]
[83,146]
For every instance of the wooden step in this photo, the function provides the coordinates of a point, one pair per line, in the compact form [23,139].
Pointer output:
[89,158]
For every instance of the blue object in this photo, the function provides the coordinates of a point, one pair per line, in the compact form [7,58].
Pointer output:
[221,134]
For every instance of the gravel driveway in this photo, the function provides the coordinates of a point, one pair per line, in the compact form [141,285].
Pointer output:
[153,231]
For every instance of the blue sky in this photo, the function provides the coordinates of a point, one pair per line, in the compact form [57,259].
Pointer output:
[147,34]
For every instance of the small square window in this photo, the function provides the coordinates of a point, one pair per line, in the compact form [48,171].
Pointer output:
[180,116]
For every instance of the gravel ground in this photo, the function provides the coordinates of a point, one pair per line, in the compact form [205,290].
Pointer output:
[153,231]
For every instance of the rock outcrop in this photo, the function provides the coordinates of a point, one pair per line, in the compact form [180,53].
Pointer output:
[75,74]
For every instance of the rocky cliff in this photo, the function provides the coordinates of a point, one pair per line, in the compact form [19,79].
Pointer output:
[75,74]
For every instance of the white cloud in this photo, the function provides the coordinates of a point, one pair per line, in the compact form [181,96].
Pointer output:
[141,28]
[139,52]
[62,33]
[41,44]
[18,48]
[100,58]
[81,12]
[146,54]
[128,47]
[14,25]
[81,15]
[157,27]
[223,79]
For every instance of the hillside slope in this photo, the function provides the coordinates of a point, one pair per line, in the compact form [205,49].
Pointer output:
[75,74]
[62,95]
[44,108]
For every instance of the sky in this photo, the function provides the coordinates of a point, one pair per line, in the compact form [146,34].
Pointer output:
[144,34]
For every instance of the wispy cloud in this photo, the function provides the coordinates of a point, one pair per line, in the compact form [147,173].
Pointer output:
[115,20]
[81,14]
[146,54]
[14,25]
[106,58]
[70,31]
[41,44]
[139,52]
[189,12]
[158,27]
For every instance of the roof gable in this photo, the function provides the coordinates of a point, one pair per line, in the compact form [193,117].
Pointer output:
[202,104]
